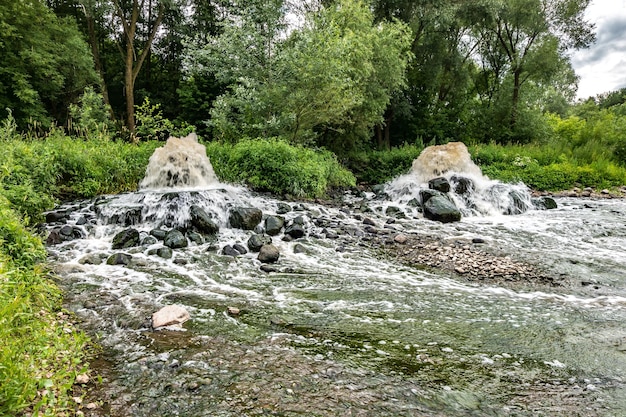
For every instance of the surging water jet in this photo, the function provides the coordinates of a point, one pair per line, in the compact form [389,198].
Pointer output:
[181,163]
[449,169]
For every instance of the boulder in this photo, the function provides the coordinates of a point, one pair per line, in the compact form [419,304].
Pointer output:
[427,194]
[518,203]
[245,218]
[56,216]
[202,222]
[175,239]
[440,184]
[240,248]
[441,209]
[256,242]
[274,224]
[462,185]
[165,252]
[90,259]
[228,250]
[119,259]
[127,238]
[158,233]
[544,203]
[170,316]
[283,208]
[295,230]
[268,254]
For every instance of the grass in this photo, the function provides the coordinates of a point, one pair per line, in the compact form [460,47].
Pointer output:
[40,350]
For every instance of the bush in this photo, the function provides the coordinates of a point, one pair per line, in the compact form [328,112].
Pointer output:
[377,167]
[275,166]
[34,173]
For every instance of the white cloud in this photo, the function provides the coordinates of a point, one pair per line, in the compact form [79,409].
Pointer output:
[602,67]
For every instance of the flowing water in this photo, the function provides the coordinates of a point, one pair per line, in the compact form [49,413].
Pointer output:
[338,329]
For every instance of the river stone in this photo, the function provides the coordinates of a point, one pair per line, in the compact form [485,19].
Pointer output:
[149,240]
[440,184]
[56,216]
[295,230]
[158,233]
[195,238]
[245,218]
[228,250]
[173,315]
[255,242]
[427,194]
[240,248]
[518,205]
[268,254]
[545,203]
[165,252]
[90,259]
[462,185]
[441,209]
[202,222]
[175,239]
[298,248]
[119,259]
[274,224]
[400,238]
[126,239]
[283,208]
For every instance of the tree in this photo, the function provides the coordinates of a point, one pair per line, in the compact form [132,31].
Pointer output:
[525,41]
[44,62]
[327,82]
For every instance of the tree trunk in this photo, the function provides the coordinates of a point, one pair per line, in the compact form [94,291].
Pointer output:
[95,50]
[129,90]
[515,101]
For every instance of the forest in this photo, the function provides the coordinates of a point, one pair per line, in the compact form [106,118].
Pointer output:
[314,94]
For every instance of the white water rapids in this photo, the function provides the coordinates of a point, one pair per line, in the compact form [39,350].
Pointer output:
[339,329]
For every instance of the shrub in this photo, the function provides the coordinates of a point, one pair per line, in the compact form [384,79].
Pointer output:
[274,165]
[377,167]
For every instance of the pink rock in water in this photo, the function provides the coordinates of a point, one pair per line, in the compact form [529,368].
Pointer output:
[170,316]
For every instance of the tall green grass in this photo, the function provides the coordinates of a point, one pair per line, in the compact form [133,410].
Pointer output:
[40,351]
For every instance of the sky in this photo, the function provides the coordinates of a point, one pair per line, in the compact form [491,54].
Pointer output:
[602,67]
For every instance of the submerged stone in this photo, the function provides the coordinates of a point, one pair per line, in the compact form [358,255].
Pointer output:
[544,203]
[119,259]
[295,230]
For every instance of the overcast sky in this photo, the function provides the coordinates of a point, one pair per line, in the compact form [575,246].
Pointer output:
[602,67]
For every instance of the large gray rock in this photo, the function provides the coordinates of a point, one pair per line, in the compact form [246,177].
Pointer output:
[268,254]
[170,316]
[126,239]
[462,185]
[202,221]
[427,194]
[256,242]
[274,224]
[439,184]
[295,230]
[245,218]
[441,209]
[175,239]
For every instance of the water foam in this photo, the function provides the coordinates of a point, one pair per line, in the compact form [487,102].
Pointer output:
[181,163]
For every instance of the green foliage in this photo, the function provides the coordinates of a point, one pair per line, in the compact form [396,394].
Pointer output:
[36,172]
[90,118]
[334,74]
[378,167]
[151,124]
[44,62]
[276,166]
[39,360]
[542,167]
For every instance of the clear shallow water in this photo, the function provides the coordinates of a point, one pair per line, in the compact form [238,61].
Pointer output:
[349,332]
